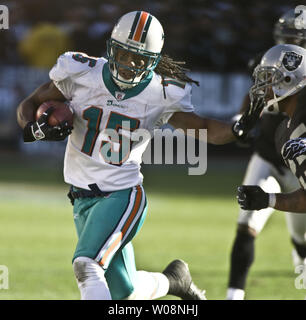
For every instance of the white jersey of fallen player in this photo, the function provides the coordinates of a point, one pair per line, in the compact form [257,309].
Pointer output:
[98,104]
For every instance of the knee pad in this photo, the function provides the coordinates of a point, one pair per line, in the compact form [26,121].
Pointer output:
[91,280]
[87,270]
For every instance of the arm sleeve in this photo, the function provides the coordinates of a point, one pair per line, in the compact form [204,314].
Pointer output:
[68,67]
[60,74]
[180,101]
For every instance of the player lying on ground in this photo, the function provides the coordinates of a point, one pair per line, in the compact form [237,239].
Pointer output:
[137,85]
[282,73]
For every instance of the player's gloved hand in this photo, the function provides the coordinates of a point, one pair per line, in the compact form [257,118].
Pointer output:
[294,148]
[247,122]
[41,130]
[252,198]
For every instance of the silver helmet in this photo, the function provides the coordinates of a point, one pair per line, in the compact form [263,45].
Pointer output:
[281,73]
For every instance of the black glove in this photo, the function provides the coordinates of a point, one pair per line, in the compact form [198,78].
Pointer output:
[294,148]
[247,122]
[41,130]
[252,198]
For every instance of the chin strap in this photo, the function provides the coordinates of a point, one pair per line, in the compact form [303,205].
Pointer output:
[122,85]
[273,107]
[121,82]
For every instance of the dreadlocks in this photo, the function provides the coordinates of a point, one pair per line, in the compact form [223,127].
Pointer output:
[167,67]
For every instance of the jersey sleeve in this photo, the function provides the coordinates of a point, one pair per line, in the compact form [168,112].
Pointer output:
[67,67]
[179,100]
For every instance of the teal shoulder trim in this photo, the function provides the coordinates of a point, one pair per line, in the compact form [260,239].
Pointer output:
[113,88]
[175,82]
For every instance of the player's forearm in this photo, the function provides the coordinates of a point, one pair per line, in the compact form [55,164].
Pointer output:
[245,103]
[27,108]
[291,202]
[219,132]
[26,112]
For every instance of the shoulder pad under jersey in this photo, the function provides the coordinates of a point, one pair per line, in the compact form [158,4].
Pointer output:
[70,64]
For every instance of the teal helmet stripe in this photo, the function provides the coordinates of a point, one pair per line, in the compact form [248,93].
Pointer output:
[145,30]
[134,25]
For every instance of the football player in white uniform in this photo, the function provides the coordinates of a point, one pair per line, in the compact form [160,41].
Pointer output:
[134,88]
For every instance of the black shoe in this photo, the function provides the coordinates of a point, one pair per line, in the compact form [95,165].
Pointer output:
[180,282]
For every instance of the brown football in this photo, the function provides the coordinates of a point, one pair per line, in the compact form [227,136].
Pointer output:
[61,112]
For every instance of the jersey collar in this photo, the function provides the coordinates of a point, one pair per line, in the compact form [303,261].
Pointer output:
[127,93]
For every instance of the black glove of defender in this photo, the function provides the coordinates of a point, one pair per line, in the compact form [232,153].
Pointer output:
[246,123]
[41,130]
[252,198]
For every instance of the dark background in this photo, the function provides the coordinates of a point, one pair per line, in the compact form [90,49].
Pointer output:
[209,35]
[215,38]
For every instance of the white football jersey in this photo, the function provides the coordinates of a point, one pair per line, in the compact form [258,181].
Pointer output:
[98,104]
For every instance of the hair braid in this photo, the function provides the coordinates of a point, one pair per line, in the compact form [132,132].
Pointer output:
[167,67]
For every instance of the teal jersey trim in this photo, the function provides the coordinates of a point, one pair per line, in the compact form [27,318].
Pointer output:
[128,93]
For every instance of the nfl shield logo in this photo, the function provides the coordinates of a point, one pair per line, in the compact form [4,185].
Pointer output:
[119,95]
[292,60]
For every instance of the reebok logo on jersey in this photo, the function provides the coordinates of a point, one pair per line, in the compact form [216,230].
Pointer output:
[113,103]
[119,95]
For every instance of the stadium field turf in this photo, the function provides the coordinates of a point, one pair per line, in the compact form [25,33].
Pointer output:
[189,217]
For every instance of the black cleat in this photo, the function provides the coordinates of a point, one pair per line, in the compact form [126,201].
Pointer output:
[180,282]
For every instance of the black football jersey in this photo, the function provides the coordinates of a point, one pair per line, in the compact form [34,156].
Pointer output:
[264,143]
[291,129]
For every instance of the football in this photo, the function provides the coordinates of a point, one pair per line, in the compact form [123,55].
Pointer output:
[62,112]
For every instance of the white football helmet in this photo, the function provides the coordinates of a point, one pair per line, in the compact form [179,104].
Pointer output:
[282,69]
[142,34]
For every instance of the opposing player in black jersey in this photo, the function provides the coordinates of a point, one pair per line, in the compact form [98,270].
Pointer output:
[266,169]
[280,79]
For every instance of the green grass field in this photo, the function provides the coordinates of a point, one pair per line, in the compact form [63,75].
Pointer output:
[189,217]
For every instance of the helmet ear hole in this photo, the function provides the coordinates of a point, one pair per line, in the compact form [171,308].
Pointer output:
[287,79]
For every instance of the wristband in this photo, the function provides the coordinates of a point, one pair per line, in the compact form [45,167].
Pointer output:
[272,200]
[27,133]
[236,118]
[237,130]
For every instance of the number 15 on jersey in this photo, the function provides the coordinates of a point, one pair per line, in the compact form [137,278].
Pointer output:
[116,149]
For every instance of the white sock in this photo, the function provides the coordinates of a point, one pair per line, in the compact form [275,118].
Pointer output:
[149,286]
[91,280]
[235,294]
